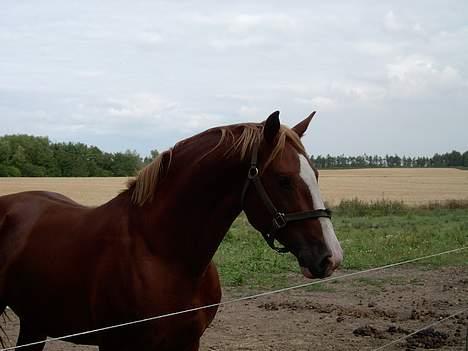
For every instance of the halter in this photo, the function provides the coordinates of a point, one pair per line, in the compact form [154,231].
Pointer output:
[280,219]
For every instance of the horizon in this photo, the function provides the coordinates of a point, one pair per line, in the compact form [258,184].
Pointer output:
[142,156]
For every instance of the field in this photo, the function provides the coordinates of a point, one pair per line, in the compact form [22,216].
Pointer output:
[401,216]
[412,186]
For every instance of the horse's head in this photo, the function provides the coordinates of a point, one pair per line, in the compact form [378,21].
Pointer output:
[282,200]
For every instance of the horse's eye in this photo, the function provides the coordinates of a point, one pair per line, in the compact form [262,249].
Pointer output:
[285,182]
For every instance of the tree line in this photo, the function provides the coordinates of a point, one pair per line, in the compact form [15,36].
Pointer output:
[449,159]
[32,156]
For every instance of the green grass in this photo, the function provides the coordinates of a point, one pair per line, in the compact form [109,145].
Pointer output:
[373,241]
[245,259]
[371,234]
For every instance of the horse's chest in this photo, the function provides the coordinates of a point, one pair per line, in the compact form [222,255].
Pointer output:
[156,294]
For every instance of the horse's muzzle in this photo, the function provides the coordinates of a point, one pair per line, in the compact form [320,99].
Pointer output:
[322,268]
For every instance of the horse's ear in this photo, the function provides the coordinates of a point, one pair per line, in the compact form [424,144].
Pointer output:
[301,127]
[272,126]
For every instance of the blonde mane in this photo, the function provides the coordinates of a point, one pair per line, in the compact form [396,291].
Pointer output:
[145,184]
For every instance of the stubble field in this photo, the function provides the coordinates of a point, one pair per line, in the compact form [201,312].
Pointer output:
[360,313]
[412,186]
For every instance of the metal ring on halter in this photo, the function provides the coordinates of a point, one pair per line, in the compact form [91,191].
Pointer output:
[253,172]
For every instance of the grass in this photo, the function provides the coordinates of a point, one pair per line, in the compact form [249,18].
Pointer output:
[371,234]
[244,258]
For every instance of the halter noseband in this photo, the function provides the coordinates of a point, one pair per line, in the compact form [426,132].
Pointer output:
[280,219]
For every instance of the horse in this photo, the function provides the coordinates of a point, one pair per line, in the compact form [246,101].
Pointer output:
[66,268]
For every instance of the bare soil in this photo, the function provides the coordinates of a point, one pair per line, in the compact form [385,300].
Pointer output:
[359,313]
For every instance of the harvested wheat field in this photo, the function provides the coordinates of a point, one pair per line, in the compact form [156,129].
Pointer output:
[87,191]
[412,186]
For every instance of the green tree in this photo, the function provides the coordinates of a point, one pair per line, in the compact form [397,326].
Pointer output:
[465,159]
[18,159]
[454,159]
[125,164]
[31,170]
[153,154]
[5,151]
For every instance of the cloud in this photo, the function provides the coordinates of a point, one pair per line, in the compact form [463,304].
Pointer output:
[227,30]
[249,111]
[403,25]
[358,90]
[391,23]
[149,38]
[228,43]
[419,76]
[322,103]
[191,122]
[89,73]
[248,23]
[375,48]
[155,113]
[242,23]
[138,106]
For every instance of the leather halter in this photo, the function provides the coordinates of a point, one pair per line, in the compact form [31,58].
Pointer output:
[280,219]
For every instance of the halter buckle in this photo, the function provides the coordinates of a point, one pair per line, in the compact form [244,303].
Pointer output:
[279,221]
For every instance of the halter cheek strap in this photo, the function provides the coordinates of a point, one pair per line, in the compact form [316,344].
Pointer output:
[279,219]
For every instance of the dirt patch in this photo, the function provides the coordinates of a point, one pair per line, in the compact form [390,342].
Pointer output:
[353,314]
[368,330]
[428,339]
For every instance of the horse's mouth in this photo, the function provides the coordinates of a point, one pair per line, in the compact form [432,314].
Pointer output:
[308,273]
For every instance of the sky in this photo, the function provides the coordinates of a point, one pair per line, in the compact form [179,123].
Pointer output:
[384,77]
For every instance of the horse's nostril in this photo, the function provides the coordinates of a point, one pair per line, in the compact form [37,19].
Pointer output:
[325,263]
[322,266]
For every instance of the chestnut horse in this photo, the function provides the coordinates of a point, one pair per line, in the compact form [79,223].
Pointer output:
[66,268]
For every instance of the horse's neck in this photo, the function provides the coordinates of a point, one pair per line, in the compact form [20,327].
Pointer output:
[193,210]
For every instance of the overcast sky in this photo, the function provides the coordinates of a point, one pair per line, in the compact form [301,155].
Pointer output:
[385,77]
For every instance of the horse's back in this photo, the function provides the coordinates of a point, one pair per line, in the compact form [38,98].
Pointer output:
[36,198]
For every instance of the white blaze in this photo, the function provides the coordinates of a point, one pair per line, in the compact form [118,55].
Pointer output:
[308,176]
